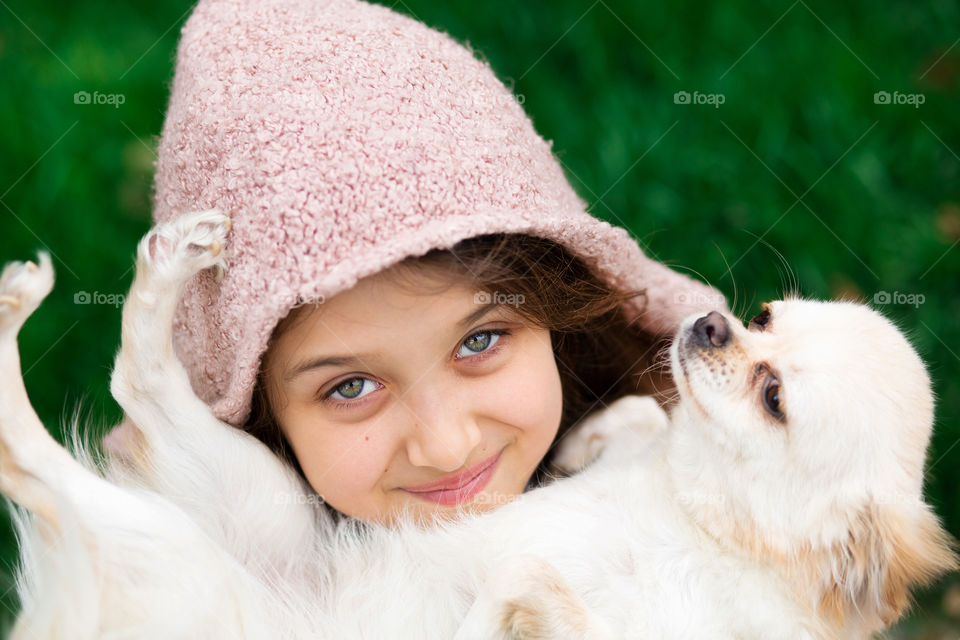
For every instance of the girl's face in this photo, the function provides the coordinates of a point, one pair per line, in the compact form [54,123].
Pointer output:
[405,398]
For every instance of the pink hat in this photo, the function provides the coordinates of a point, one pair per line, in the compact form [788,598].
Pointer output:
[342,137]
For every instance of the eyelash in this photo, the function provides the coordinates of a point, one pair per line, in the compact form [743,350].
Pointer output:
[480,357]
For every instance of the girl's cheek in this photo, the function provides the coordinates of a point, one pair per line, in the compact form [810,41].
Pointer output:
[349,460]
[526,394]
[343,472]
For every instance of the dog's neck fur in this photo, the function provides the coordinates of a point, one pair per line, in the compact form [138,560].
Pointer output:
[811,563]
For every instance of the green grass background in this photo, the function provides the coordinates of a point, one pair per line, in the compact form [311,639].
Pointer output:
[713,191]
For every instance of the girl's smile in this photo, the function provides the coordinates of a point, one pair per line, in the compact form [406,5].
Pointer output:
[414,398]
[459,487]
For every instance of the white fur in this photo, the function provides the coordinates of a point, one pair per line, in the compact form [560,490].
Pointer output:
[722,523]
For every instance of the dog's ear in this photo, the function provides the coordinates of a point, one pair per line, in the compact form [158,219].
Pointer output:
[889,550]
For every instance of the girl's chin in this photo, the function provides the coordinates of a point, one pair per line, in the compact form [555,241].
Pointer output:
[481,503]
[425,512]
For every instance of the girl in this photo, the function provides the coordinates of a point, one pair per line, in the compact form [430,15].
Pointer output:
[416,305]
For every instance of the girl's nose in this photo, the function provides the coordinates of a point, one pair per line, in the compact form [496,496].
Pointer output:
[441,435]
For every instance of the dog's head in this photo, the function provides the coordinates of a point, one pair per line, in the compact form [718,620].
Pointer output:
[809,428]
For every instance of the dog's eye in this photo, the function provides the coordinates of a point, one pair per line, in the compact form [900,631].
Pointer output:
[771,397]
[760,320]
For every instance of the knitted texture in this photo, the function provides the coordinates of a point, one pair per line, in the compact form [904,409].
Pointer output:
[342,137]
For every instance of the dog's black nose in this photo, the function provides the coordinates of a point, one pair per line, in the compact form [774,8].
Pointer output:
[711,329]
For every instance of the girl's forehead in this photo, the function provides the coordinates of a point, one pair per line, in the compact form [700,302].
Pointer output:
[383,306]
[402,290]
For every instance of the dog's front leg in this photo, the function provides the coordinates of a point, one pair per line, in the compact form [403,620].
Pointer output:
[228,481]
[34,468]
[624,430]
[526,598]
[98,559]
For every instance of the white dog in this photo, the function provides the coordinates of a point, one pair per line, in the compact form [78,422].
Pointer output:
[782,500]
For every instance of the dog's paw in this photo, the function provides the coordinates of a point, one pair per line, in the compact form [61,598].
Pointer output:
[628,417]
[23,286]
[177,249]
[642,413]
[526,598]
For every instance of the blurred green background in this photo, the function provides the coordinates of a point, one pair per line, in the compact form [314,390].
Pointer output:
[804,176]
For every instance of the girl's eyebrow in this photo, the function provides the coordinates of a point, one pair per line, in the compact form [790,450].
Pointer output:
[359,359]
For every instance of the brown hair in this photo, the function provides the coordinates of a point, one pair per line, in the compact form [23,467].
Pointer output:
[600,355]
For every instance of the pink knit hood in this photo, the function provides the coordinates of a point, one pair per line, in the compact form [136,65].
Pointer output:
[342,137]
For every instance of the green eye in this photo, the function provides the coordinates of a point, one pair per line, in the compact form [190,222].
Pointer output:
[351,388]
[478,342]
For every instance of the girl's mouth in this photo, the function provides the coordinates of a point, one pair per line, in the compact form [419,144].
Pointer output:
[460,488]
